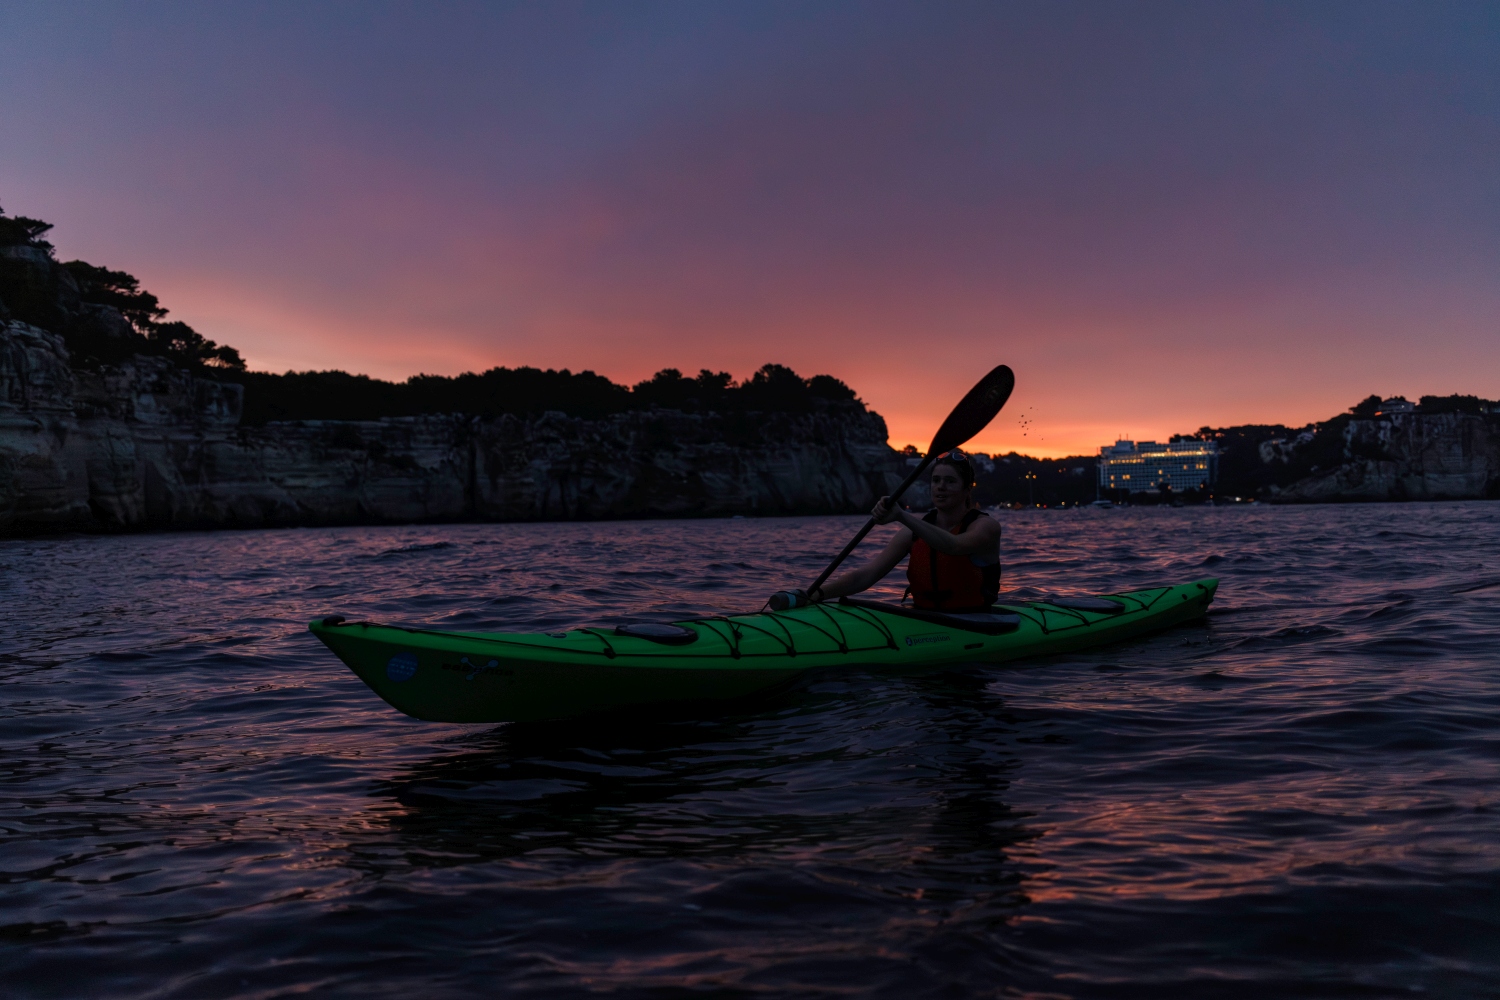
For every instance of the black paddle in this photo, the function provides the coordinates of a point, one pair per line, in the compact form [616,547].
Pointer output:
[972,414]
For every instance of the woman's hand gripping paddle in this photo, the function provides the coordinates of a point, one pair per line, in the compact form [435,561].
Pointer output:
[972,414]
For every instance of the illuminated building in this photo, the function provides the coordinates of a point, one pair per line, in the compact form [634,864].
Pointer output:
[1394,405]
[1139,468]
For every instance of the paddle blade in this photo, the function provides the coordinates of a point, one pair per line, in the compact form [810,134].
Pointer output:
[974,412]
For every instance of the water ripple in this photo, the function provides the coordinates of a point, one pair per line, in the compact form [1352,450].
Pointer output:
[1295,797]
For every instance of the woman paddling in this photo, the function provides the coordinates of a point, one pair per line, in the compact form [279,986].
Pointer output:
[955,549]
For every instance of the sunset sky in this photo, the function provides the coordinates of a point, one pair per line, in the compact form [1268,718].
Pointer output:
[1160,215]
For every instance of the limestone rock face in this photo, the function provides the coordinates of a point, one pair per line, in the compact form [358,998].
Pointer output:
[1410,456]
[147,445]
[669,463]
[43,479]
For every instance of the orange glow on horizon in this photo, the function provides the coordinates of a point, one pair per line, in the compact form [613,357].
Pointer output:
[1083,380]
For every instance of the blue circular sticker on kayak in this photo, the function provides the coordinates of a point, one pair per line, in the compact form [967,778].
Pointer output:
[401,667]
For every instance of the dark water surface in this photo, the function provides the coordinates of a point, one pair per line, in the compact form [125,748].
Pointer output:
[1299,797]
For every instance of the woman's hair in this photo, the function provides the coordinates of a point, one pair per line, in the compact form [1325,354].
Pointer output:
[960,465]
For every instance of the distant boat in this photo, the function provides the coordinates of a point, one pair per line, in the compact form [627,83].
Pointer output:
[1102,503]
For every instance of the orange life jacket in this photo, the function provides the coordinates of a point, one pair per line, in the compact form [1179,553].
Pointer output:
[940,582]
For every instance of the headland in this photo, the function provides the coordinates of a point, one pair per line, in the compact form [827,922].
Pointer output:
[113,417]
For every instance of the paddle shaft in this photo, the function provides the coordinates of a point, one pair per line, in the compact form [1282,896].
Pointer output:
[895,498]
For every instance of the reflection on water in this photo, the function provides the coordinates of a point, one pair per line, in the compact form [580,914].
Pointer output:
[1296,798]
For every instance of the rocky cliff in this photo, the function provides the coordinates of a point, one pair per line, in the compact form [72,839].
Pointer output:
[146,444]
[1409,456]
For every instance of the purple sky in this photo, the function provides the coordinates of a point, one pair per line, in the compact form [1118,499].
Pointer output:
[1159,215]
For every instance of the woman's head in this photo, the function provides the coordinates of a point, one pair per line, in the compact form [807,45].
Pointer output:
[958,463]
[952,480]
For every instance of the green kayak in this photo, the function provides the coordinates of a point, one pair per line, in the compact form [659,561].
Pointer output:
[515,676]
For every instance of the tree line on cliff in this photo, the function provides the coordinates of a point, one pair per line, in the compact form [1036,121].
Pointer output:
[336,395]
[105,317]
